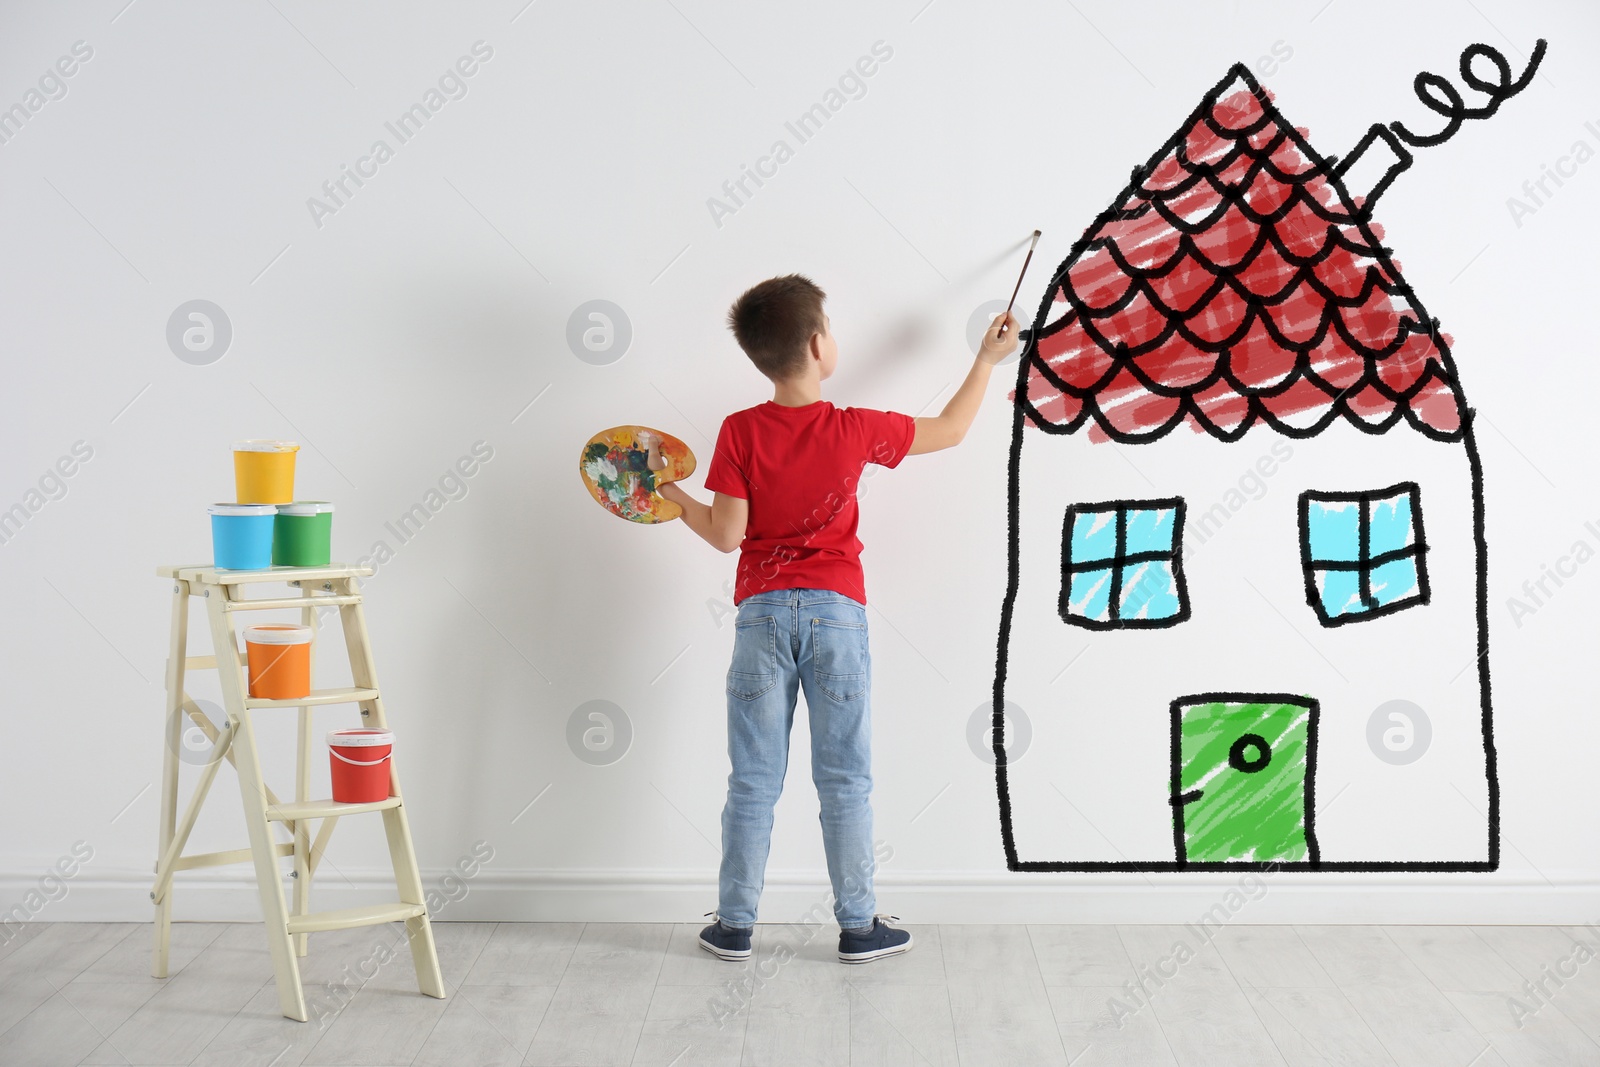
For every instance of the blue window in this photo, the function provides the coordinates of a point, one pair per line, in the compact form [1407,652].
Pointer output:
[1363,553]
[1121,566]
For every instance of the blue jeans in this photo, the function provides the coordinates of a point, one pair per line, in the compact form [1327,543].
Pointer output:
[813,639]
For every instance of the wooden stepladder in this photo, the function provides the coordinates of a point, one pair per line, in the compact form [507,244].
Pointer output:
[224,593]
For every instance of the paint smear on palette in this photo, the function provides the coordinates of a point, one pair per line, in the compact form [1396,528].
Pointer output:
[615,466]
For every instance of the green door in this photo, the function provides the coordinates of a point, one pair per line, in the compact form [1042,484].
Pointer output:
[1243,778]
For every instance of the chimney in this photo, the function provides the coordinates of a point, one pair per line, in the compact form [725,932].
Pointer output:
[1368,170]
[1374,172]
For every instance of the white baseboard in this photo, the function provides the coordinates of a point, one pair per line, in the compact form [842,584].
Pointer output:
[621,895]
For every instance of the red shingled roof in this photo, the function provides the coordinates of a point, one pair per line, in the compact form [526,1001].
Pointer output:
[1235,279]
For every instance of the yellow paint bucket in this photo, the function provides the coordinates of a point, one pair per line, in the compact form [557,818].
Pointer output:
[263,471]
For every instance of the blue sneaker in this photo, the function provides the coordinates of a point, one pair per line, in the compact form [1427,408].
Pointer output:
[875,943]
[726,942]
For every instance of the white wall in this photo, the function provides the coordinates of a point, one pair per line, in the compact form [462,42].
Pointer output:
[431,310]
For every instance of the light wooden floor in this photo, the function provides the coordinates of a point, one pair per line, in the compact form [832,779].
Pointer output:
[536,993]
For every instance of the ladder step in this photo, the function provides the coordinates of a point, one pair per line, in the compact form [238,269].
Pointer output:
[205,574]
[322,809]
[270,603]
[348,694]
[347,918]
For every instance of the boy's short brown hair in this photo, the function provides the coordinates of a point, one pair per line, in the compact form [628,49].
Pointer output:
[774,320]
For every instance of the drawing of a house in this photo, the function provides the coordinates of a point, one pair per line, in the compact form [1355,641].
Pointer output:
[1231,415]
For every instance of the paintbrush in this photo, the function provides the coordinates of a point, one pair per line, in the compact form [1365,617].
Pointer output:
[1034,243]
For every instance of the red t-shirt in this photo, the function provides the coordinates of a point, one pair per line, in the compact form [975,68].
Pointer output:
[799,468]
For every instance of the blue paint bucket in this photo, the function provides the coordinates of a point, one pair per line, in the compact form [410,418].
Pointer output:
[241,536]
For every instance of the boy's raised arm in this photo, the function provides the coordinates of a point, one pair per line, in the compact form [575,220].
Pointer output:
[947,428]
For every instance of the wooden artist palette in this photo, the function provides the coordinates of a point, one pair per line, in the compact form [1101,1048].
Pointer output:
[615,468]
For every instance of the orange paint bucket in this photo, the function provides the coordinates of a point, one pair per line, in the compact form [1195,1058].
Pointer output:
[263,471]
[279,659]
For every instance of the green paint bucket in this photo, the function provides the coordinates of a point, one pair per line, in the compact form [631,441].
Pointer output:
[302,534]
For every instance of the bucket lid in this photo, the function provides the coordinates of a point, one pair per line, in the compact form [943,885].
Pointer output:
[243,509]
[360,738]
[302,508]
[265,444]
[278,634]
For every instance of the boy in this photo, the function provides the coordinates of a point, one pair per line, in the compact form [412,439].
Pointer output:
[785,475]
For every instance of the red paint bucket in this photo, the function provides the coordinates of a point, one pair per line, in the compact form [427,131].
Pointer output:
[359,761]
